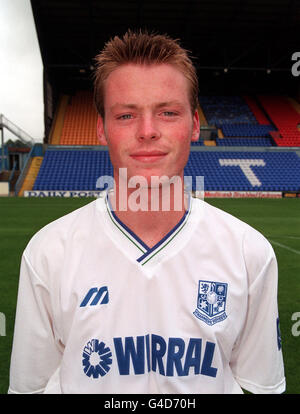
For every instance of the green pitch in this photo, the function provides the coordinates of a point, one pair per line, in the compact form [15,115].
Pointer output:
[278,220]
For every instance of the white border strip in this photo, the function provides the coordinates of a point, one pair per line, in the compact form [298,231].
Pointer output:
[207,194]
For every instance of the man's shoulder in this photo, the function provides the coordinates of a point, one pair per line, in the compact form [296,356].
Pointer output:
[240,236]
[215,216]
[228,226]
[57,232]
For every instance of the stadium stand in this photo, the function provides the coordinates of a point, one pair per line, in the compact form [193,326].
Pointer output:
[210,143]
[246,135]
[72,169]
[230,122]
[257,112]
[247,130]
[284,117]
[79,121]
[295,105]
[202,118]
[226,171]
[58,122]
[198,143]
[242,171]
[220,133]
[236,117]
[222,110]
[240,142]
[28,183]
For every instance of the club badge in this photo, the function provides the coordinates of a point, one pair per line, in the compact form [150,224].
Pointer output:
[211,302]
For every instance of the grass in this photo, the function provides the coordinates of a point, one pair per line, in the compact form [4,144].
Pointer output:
[278,220]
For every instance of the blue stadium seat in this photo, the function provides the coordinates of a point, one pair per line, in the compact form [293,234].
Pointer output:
[80,169]
[254,142]
[223,110]
[247,130]
[281,171]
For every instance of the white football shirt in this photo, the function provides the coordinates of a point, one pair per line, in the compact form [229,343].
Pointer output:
[100,312]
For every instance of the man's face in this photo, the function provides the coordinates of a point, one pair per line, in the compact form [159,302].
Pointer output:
[148,123]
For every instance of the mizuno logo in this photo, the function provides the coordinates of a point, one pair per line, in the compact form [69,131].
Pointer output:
[95,296]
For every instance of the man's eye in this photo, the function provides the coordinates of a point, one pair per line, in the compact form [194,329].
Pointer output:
[125,116]
[169,113]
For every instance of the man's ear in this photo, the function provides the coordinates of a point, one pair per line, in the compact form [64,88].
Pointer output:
[196,127]
[100,131]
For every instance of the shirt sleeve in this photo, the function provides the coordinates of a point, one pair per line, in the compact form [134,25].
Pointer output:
[35,353]
[257,361]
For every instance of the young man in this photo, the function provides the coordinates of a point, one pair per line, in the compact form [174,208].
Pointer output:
[115,299]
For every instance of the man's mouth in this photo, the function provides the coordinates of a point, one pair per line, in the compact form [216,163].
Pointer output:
[148,156]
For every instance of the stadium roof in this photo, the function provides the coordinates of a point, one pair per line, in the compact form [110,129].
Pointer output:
[234,34]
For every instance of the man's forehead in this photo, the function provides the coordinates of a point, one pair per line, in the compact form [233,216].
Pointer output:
[162,72]
[132,85]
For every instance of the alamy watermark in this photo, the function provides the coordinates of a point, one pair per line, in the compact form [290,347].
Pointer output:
[296,66]
[160,194]
[2,324]
[296,325]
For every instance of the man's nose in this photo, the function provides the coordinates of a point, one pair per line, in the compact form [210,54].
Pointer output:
[148,129]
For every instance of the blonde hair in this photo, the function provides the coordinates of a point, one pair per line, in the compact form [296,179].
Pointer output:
[142,48]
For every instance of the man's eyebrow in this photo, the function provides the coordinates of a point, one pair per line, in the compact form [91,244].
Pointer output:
[134,106]
[124,106]
[169,103]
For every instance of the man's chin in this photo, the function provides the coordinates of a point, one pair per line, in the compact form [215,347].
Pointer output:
[147,178]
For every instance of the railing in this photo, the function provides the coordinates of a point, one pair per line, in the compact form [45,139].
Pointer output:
[22,135]
[23,173]
[11,176]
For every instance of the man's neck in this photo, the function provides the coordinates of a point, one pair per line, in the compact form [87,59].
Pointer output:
[150,214]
